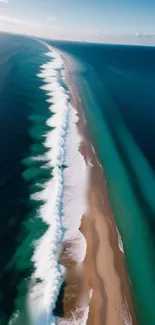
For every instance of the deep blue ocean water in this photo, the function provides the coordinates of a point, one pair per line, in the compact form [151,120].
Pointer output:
[125,74]
[117,88]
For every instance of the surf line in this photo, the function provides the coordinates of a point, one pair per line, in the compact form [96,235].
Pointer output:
[63,195]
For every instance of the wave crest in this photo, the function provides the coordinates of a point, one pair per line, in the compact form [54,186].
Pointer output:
[63,195]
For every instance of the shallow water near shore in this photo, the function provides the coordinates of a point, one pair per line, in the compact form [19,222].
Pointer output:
[45,164]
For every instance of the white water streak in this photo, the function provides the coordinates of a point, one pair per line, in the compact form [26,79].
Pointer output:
[63,195]
[120,242]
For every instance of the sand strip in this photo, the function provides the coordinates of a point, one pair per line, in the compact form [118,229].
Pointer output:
[103,269]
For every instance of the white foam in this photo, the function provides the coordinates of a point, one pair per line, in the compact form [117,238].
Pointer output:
[75,182]
[82,310]
[127,316]
[63,195]
[120,242]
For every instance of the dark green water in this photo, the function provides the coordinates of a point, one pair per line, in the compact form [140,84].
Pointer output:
[21,133]
[117,87]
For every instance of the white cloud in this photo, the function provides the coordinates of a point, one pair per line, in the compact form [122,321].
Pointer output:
[8,19]
[18,21]
[49,21]
[50,18]
[18,25]
[97,32]
[145,36]
[4,1]
[50,27]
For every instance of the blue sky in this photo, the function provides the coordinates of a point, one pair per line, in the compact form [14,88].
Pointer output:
[89,20]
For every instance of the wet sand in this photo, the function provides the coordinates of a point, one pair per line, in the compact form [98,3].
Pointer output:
[103,270]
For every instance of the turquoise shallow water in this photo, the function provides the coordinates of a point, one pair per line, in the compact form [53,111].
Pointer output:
[23,113]
[34,115]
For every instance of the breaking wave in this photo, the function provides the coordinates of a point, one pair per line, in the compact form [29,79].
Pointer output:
[63,196]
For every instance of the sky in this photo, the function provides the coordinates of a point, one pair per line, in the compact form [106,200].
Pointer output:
[126,21]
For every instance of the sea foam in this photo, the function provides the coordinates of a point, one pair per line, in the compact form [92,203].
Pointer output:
[63,195]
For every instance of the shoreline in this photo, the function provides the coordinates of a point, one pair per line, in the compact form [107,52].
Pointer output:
[111,299]
[97,290]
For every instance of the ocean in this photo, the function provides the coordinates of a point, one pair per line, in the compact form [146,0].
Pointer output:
[39,156]
[18,92]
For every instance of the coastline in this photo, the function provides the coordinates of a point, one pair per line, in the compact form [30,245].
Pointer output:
[103,270]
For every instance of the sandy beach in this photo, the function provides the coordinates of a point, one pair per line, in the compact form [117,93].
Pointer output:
[102,281]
